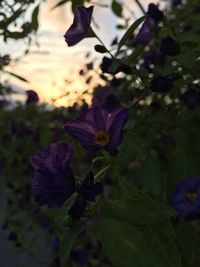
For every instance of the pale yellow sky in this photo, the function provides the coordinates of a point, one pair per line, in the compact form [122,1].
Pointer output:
[49,65]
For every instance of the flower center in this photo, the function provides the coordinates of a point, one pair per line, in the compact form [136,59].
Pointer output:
[191,196]
[101,138]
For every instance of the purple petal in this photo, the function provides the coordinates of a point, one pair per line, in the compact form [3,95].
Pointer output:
[116,129]
[80,26]
[145,33]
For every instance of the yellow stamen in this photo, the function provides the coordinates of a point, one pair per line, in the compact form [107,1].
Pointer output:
[101,138]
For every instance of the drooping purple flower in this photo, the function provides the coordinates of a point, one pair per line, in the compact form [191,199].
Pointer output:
[186,199]
[99,128]
[80,27]
[88,189]
[32,97]
[53,181]
[161,84]
[191,98]
[145,34]
[154,12]
[169,46]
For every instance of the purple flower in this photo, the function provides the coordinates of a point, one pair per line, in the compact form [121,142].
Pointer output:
[161,84]
[145,34]
[191,98]
[80,27]
[169,46]
[186,199]
[88,189]
[154,12]
[99,128]
[32,97]
[53,181]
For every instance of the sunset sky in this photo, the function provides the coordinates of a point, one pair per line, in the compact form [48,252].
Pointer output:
[50,65]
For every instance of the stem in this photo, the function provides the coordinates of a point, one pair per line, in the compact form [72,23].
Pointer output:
[102,43]
[101,172]
[140,6]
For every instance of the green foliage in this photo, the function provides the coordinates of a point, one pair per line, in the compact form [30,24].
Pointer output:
[35,14]
[129,32]
[137,230]
[60,3]
[116,8]
[68,242]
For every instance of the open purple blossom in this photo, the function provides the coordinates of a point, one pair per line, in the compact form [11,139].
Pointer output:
[81,25]
[169,46]
[99,128]
[53,181]
[186,199]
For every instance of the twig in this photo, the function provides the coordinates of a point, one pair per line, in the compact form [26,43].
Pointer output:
[140,6]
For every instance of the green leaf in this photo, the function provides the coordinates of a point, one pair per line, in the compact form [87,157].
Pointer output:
[17,76]
[59,215]
[134,55]
[137,212]
[126,245]
[116,8]
[178,168]
[60,3]
[131,147]
[35,22]
[161,238]
[151,175]
[129,32]
[129,191]
[68,242]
